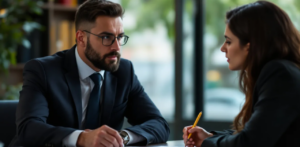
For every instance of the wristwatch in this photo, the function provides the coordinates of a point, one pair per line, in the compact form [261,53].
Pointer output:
[125,137]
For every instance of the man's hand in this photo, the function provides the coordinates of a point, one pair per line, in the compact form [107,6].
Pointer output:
[101,137]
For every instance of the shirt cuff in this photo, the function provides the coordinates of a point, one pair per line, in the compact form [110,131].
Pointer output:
[71,140]
[133,137]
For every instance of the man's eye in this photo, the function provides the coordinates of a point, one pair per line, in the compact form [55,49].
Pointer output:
[120,37]
[106,37]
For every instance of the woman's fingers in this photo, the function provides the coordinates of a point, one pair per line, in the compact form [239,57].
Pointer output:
[185,129]
[196,129]
[190,143]
[185,132]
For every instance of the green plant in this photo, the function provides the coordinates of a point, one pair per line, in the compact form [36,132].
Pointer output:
[16,21]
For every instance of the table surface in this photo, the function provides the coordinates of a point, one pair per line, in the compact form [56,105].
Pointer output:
[172,143]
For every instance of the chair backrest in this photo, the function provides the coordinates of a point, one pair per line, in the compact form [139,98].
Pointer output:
[7,120]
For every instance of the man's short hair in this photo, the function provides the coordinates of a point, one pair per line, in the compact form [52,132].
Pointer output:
[91,9]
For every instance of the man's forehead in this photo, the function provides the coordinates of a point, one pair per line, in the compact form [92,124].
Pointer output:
[108,24]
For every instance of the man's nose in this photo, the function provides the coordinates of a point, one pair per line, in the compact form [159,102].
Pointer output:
[115,45]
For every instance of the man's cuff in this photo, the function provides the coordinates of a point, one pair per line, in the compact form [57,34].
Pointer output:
[71,140]
[133,137]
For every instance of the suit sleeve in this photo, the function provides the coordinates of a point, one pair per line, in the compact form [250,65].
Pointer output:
[144,116]
[276,109]
[32,111]
[225,132]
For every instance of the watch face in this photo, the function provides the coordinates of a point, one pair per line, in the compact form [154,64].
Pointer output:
[125,137]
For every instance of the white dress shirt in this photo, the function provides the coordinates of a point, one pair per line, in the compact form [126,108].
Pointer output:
[86,86]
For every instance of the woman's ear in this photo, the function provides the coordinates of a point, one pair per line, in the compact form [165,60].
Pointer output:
[247,47]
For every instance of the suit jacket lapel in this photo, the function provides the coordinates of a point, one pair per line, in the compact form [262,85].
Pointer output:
[108,100]
[72,78]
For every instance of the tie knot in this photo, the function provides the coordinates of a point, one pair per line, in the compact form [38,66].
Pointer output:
[96,78]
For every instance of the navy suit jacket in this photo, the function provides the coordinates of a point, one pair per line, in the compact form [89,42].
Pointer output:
[275,120]
[50,102]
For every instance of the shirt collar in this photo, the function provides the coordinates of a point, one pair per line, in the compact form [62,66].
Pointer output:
[85,70]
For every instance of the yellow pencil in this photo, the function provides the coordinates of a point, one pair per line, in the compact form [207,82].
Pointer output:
[195,124]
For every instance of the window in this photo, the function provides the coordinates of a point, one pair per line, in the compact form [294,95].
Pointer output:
[150,26]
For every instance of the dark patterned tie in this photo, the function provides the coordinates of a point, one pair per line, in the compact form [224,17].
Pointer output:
[93,108]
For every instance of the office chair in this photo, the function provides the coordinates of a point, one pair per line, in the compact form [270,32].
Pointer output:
[7,120]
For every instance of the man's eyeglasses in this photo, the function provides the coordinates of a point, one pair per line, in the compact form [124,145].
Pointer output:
[108,40]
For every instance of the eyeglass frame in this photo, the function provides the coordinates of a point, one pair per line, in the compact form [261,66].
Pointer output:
[126,38]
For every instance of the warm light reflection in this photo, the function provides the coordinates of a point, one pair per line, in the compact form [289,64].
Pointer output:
[2,12]
[213,75]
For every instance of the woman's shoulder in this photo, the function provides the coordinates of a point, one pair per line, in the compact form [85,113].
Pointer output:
[280,68]
[280,63]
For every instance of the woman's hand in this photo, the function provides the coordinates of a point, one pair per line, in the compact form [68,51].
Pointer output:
[198,135]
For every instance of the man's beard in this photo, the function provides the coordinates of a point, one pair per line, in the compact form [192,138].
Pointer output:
[98,61]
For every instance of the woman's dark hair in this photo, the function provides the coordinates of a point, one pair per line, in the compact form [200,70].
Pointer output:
[271,35]
[91,9]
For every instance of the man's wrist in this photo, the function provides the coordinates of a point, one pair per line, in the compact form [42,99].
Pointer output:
[81,139]
[72,138]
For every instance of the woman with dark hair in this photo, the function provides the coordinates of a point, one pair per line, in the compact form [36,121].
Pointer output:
[261,42]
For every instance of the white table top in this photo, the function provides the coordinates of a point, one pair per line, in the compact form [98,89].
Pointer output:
[173,143]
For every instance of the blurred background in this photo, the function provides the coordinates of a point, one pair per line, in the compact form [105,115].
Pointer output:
[174,46]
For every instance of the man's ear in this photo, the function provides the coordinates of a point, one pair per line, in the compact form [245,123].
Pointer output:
[80,38]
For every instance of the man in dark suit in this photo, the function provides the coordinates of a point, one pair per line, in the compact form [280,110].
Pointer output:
[80,96]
